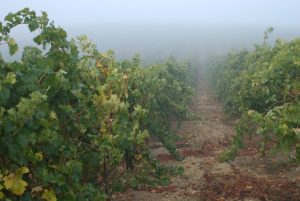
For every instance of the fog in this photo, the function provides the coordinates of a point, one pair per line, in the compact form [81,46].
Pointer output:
[159,29]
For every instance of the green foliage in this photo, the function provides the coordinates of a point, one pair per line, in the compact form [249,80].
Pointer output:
[164,91]
[264,86]
[78,119]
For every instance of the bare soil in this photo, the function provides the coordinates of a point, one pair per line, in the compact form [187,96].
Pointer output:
[250,177]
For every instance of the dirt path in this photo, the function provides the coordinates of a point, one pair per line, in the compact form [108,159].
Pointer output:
[249,177]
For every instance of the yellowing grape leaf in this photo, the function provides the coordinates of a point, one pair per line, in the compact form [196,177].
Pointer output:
[53,115]
[38,156]
[36,191]
[49,195]
[22,170]
[11,78]
[1,193]
[15,183]
[11,41]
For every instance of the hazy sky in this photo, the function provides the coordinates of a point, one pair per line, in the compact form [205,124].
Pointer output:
[211,12]
[159,28]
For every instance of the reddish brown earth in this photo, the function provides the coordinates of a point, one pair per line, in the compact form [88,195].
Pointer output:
[250,177]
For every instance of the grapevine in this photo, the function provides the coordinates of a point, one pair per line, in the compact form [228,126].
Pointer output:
[74,122]
[263,88]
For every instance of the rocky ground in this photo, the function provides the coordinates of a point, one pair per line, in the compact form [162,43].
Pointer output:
[250,177]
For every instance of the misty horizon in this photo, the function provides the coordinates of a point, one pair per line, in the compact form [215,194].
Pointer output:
[157,30]
[155,43]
